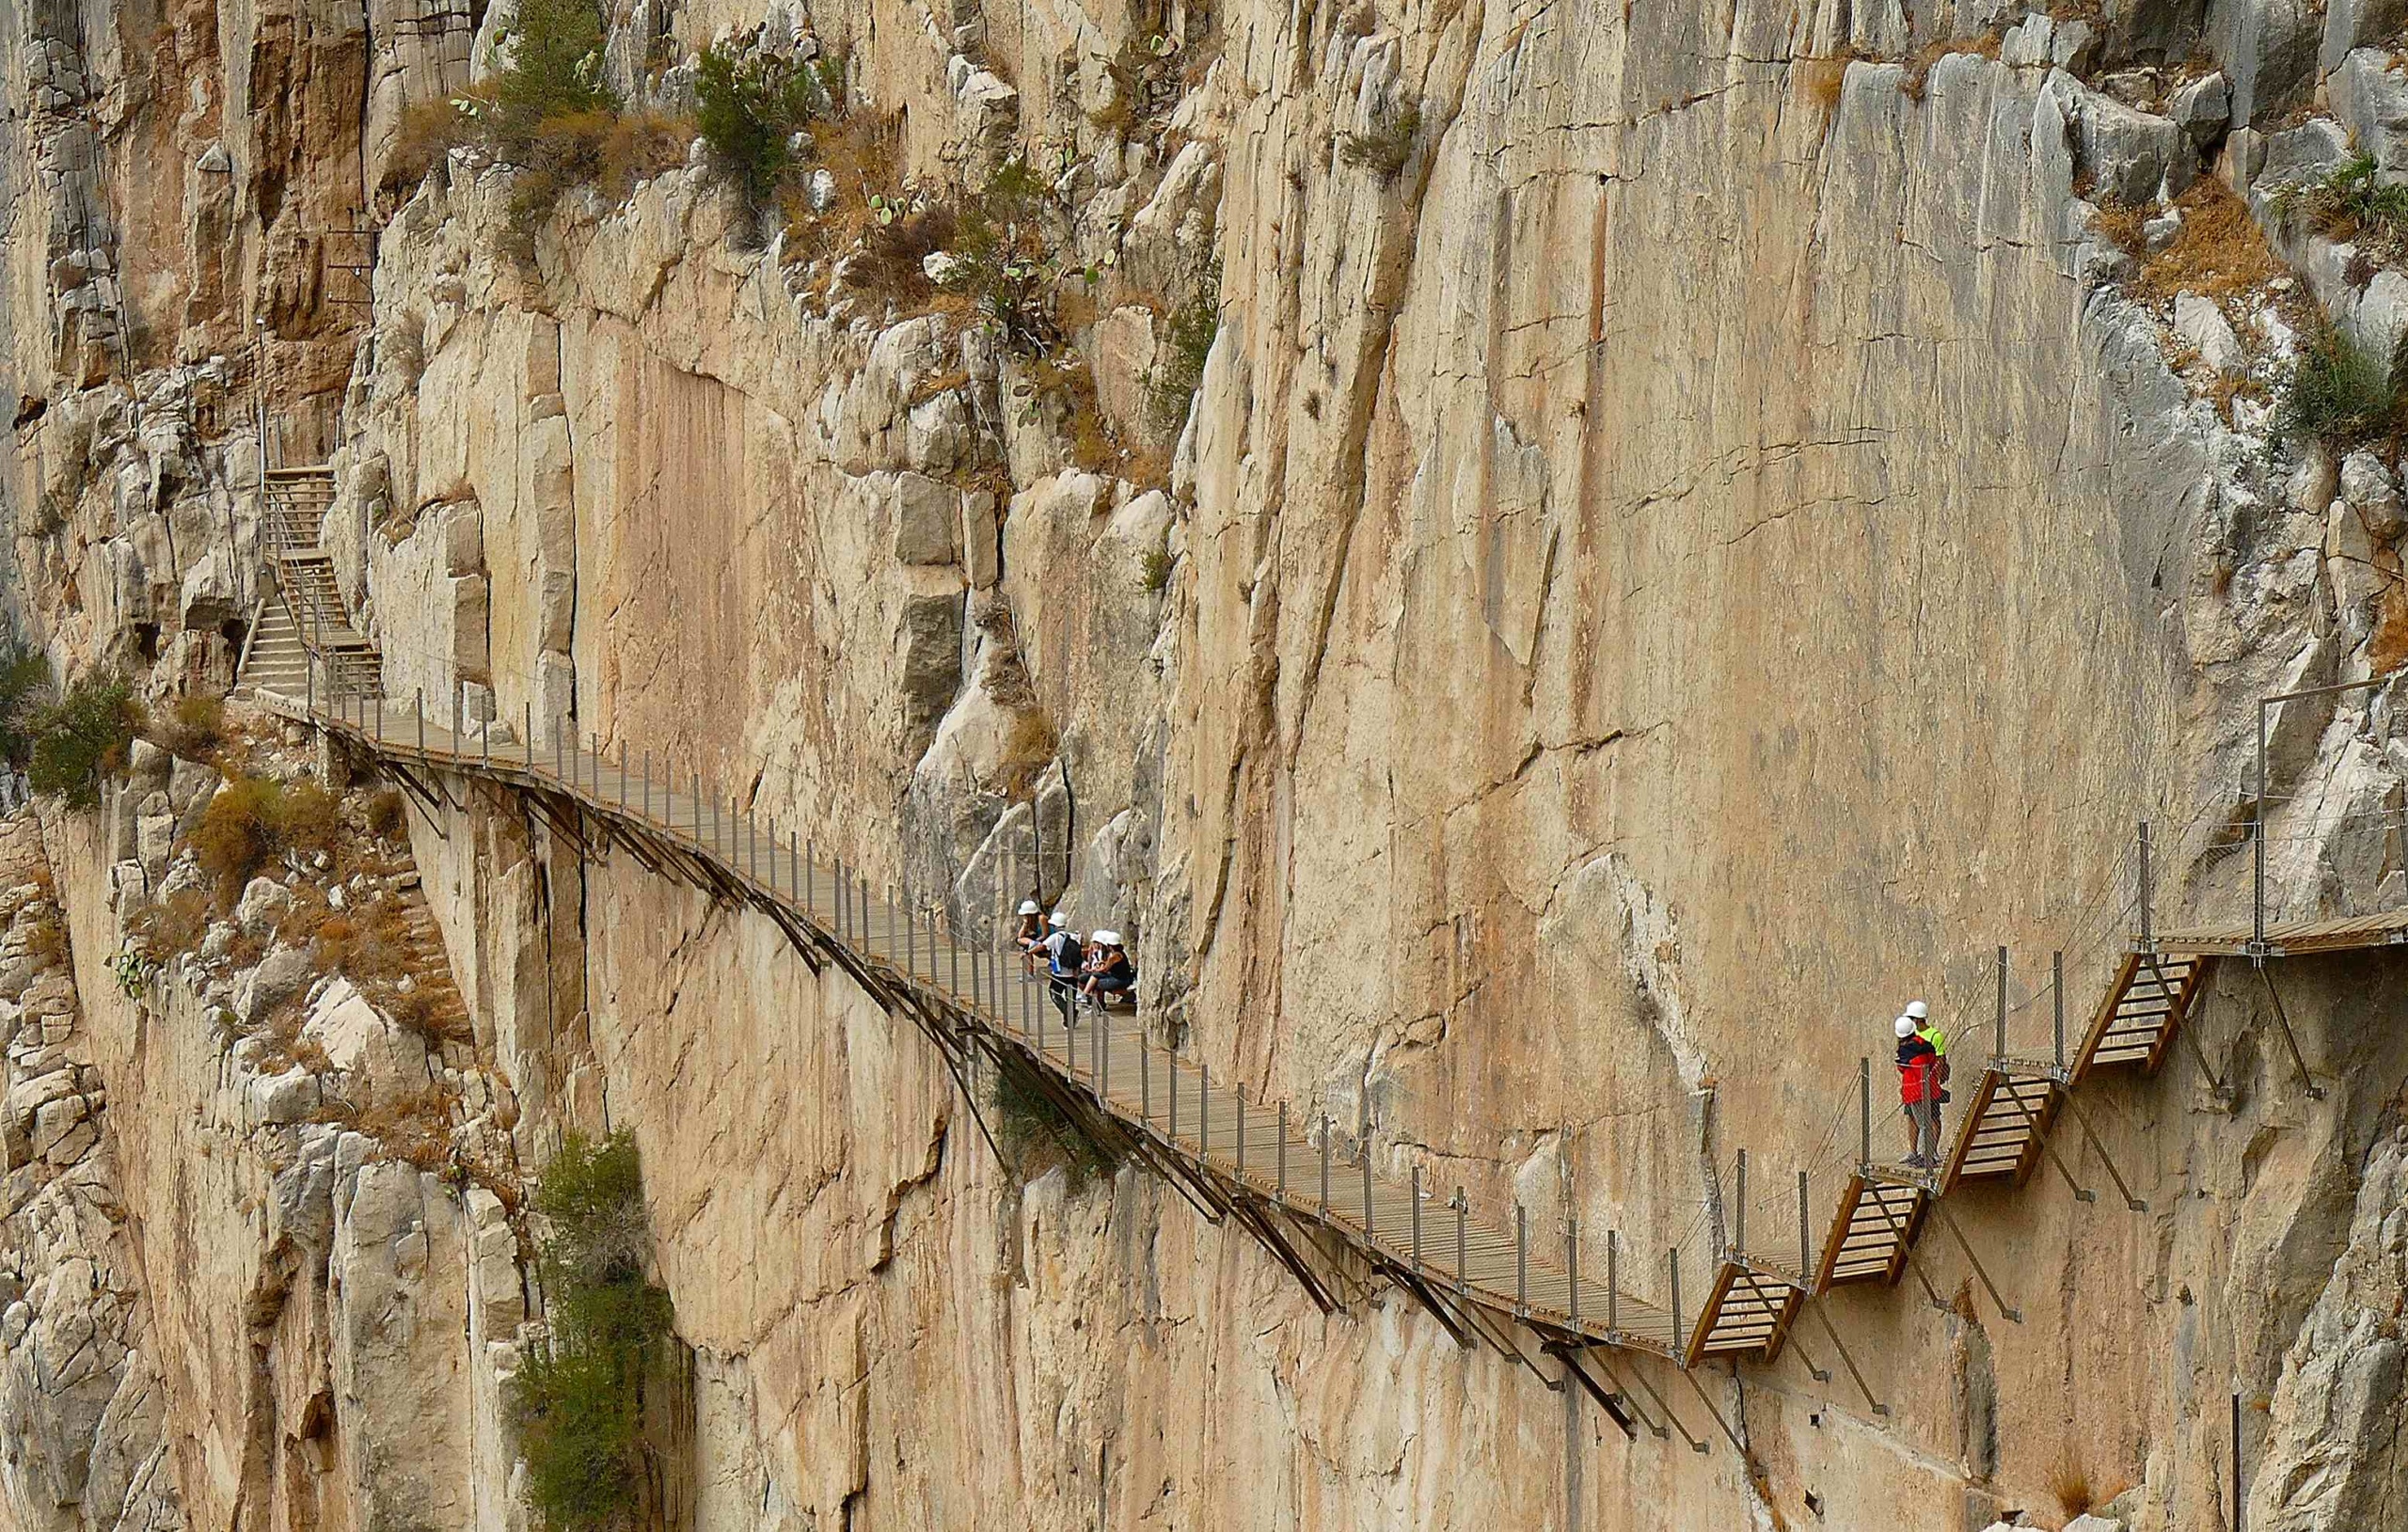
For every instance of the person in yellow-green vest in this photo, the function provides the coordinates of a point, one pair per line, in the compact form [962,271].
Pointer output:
[1932,1033]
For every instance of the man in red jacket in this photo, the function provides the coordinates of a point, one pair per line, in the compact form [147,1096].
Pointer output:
[1919,1090]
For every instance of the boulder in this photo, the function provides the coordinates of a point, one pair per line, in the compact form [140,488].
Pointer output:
[278,978]
[2375,495]
[2026,44]
[2131,155]
[2203,327]
[2350,25]
[2369,96]
[928,516]
[2303,153]
[981,538]
[264,902]
[2203,108]
[287,1097]
[361,1041]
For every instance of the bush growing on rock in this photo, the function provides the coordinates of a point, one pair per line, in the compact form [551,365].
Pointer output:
[25,680]
[252,819]
[385,818]
[196,728]
[84,739]
[2339,393]
[2350,206]
[748,110]
[549,114]
[1193,326]
[579,1399]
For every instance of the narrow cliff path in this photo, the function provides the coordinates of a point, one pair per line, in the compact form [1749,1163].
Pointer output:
[1334,1222]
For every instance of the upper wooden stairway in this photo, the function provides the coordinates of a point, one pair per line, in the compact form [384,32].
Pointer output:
[308,618]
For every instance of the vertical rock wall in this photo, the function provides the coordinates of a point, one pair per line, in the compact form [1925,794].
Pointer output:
[1681,543]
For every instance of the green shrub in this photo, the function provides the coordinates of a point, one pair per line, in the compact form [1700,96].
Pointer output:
[83,738]
[237,831]
[2349,204]
[555,71]
[25,682]
[252,819]
[1035,1134]
[2339,393]
[1193,326]
[1157,570]
[196,728]
[749,110]
[1386,147]
[580,1394]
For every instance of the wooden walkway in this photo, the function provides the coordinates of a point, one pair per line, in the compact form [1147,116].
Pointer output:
[1333,1218]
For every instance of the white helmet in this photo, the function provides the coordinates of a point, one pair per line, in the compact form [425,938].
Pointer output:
[1906,1028]
[1060,920]
[1918,1010]
[1107,939]
[1028,906]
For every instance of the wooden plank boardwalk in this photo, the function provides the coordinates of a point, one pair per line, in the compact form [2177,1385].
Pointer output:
[1331,1216]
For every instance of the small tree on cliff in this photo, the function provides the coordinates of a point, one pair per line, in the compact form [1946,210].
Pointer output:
[581,1403]
[555,73]
[84,739]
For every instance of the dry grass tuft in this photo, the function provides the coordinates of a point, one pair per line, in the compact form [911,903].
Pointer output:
[2221,252]
[2123,224]
[1823,81]
[2070,1481]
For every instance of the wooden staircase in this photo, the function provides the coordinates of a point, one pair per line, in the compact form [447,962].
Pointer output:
[2143,1009]
[311,618]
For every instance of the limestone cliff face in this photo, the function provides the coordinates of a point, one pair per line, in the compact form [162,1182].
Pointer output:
[1692,529]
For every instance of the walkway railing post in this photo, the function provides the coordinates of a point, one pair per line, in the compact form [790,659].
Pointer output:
[1241,1129]
[1283,1153]
[1145,1082]
[1103,1080]
[1864,1109]
[1324,1163]
[1680,1340]
[1614,1280]
[2148,892]
[1364,1157]
[459,714]
[418,705]
[1999,1050]
[1521,1262]
[2257,851]
[1805,1258]
[527,733]
[1414,1191]
[1173,1082]
[1203,1109]
[1462,1206]
[2057,989]
[1739,1218]
[1572,1263]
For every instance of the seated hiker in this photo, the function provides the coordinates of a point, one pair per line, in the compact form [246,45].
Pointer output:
[1028,934]
[1919,1092]
[1110,974]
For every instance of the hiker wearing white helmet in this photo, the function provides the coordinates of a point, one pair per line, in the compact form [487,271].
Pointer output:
[1931,1032]
[1110,974]
[1030,931]
[1919,1092]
